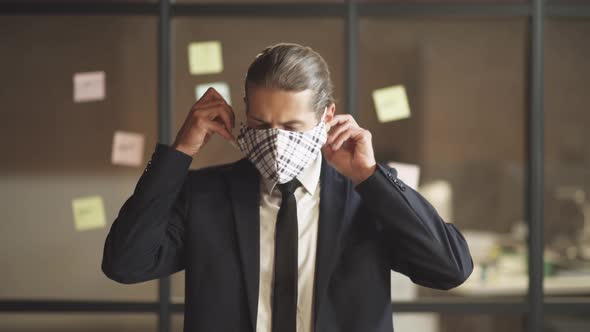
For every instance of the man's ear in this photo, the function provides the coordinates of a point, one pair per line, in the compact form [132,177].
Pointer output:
[330,112]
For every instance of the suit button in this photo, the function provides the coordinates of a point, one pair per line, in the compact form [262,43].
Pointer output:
[388,174]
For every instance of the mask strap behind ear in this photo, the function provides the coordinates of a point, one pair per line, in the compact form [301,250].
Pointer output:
[324,114]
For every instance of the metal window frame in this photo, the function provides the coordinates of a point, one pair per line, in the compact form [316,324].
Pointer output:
[534,306]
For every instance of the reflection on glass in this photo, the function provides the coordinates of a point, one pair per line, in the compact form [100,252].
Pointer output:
[482,322]
[34,322]
[57,150]
[177,323]
[568,2]
[434,322]
[567,323]
[567,157]
[465,83]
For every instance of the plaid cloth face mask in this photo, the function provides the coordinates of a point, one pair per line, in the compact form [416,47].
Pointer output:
[280,155]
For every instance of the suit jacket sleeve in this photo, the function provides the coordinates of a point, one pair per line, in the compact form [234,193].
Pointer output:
[146,240]
[418,242]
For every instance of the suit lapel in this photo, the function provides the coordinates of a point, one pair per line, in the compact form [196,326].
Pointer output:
[333,201]
[245,195]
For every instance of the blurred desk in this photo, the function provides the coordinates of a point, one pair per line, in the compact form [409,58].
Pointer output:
[557,285]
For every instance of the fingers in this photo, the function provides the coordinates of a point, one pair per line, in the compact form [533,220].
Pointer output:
[215,111]
[342,127]
[210,114]
[215,94]
[214,118]
[229,108]
[327,151]
[342,118]
[216,127]
[354,135]
[213,97]
[210,94]
[340,139]
[336,131]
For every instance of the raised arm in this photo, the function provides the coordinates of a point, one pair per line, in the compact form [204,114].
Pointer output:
[421,245]
[146,240]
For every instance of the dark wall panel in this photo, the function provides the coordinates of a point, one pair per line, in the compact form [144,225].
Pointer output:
[55,150]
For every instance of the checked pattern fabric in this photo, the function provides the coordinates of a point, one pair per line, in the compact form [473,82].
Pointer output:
[280,155]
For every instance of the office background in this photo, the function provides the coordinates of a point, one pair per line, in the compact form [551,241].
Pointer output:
[498,93]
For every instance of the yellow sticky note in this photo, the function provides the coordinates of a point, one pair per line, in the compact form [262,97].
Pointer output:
[205,57]
[88,213]
[391,103]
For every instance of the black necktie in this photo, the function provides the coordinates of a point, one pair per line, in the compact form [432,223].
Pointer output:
[284,307]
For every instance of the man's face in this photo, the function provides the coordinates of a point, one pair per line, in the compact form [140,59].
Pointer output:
[275,108]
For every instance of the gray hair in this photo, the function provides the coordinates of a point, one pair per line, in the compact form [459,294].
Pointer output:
[293,67]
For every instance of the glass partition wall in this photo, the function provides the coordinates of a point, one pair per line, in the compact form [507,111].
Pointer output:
[497,106]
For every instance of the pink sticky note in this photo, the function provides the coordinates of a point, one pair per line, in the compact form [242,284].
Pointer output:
[128,149]
[89,86]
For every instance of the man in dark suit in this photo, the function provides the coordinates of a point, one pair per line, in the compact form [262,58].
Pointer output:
[301,234]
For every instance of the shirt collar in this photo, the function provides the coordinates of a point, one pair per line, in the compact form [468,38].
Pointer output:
[309,177]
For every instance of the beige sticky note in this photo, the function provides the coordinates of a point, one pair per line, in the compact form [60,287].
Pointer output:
[127,148]
[205,57]
[88,213]
[89,86]
[221,87]
[391,103]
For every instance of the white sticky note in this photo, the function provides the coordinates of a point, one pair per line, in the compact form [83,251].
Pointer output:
[391,103]
[408,173]
[402,288]
[88,213]
[440,194]
[205,57]
[221,87]
[89,86]
[127,148]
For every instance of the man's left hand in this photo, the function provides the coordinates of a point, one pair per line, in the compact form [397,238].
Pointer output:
[349,148]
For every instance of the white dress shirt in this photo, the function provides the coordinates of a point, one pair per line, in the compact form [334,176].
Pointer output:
[308,203]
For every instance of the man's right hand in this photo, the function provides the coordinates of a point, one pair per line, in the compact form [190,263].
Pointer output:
[210,114]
